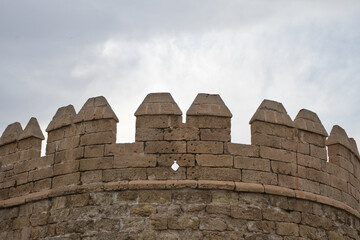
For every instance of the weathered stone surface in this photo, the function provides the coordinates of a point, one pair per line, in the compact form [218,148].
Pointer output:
[11,133]
[63,117]
[308,121]
[158,104]
[208,105]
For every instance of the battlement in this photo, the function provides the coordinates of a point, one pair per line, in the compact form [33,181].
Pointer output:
[285,157]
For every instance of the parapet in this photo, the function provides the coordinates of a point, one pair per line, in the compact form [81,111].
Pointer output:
[286,157]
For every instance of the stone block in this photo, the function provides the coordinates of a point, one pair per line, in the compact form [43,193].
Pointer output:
[91,176]
[259,177]
[65,168]
[208,173]
[68,179]
[287,229]
[21,190]
[155,196]
[314,175]
[246,212]
[212,223]
[20,222]
[205,147]
[94,151]
[209,160]
[69,155]
[312,138]
[111,175]
[40,174]
[215,134]
[309,161]
[124,148]
[218,209]
[277,154]
[258,139]
[96,163]
[241,149]
[221,197]
[274,214]
[183,222]
[165,173]
[182,133]
[55,135]
[68,143]
[143,210]
[158,222]
[165,147]
[331,192]
[284,168]
[208,122]
[98,138]
[342,162]
[149,134]
[43,184]
[77,200]
[39,219]
[299,183]
[127,197]
[191,196]
[272,129]
[318,152]
[135,160]
[158,121]
[101,125]
[252,163]
[184,160]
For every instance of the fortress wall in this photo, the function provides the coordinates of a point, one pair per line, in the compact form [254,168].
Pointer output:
[286,159]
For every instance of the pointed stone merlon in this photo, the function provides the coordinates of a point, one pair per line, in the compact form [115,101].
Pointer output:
[157,112]
[211,116]
[271,126]
[31,138]
[311,134]
[11,134]
[96,122]
[339,144]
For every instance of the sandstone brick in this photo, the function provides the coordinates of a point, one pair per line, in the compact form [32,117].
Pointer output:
[149,134]
[277,154]
[316,221]
[94,151]
[184,160]
[29,143]
[205,147]
[158,222]
[338,183]
[165,173]
[65,168]
[158,121]
[312,138]
[135,160]
[77,200]
[191,196]
[298,183]
[165,147]
[208,160]
[284,168]
[218,209]
[43,184]
[155,196]
[102,198]
[274,214]
[241,149]
[318,152]
[111,175]
[18,179]
[127,196]
[246,212]
[331,192]
[142,210]
[68,143]
[224,197]
[215,134]
[342,162]
[287,229]
[4,193]
[91,176]
[259,139]
[339,150]
[309,161]
[183,222]
[21,190]
[97,138]
[124,148]
[303,148]
[69,155]
[29,154]
[334,169]
[259,177]
[101,125]
[96,163]
[208,122]
[68,179]
[32,164]
[39,219]
[212,223]
[55,135]
[20,222]
[220,174]
[182,133]
[314,175]
[252,163]
[272,129]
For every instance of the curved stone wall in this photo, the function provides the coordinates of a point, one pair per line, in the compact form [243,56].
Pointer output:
[285,185]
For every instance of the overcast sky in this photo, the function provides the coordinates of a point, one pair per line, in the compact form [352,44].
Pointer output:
[305,54]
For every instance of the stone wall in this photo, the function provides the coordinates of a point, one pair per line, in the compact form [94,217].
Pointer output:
[282,186]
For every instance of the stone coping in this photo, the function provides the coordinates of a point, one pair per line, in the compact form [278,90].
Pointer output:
[178,184]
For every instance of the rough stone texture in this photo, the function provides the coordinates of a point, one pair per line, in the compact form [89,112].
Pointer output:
[89,187]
